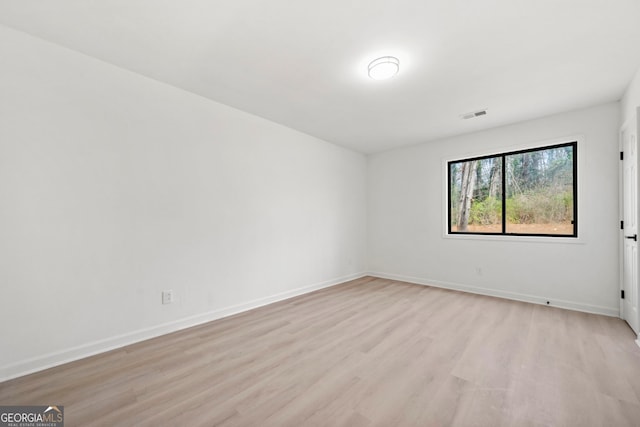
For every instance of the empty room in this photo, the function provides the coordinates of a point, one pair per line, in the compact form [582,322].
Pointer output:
[366,213]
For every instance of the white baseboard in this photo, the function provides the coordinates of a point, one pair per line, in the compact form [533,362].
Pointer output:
[569,305]
[46,361]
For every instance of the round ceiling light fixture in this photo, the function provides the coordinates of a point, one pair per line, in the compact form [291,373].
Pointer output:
[384,68]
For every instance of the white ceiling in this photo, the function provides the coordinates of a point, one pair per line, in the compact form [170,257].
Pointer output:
[303,63]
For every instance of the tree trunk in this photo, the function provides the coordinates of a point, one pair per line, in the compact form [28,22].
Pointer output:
[496,178]
[466,193]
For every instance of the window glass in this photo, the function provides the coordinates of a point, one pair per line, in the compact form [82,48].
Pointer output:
[529,192]
[476,195]
[540,192]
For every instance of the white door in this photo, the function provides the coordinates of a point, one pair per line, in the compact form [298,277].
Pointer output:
[630,231]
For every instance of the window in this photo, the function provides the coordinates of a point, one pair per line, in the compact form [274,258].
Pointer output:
[526,193]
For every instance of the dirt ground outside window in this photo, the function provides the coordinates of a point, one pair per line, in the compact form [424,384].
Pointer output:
[562,229]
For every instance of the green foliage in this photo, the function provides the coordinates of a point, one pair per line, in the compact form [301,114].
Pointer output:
[485,212]
[542,206]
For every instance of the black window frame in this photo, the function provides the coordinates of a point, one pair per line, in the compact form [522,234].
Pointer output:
[503,156]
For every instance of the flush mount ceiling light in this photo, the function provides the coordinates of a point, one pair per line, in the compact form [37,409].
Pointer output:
[384,68]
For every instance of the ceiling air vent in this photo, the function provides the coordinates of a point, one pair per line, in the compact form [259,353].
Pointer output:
[473,114]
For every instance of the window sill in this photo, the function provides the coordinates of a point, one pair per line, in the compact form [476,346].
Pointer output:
[513,238]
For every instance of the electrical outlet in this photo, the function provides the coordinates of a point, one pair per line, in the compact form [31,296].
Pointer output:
[167,297]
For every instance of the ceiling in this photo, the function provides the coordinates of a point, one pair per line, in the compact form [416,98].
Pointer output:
[304,64]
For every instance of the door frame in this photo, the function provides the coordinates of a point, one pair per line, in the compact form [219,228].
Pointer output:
[621,215]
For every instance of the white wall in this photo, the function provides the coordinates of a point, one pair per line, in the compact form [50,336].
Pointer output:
[631,100]
[406,219]
[114,187]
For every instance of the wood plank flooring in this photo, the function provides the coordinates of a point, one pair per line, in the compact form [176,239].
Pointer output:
[369,352]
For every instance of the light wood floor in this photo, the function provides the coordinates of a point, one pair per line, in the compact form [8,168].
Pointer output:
[370,352]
